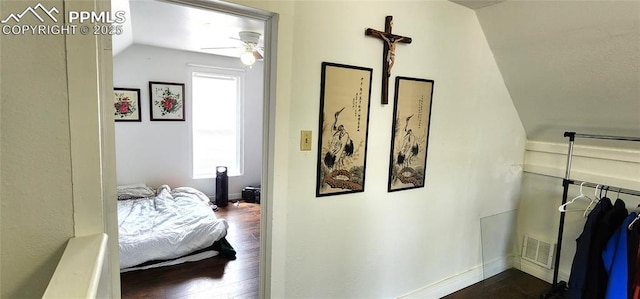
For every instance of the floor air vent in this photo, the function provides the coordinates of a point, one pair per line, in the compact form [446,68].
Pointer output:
[538,252]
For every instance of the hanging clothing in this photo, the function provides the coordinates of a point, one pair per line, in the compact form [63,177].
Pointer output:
[636,280]
[615,261]
[597,277]
[633,240]
[577,279]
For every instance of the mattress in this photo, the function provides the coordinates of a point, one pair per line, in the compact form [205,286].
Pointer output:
[170,225]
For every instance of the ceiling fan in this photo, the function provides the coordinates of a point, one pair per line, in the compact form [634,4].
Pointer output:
[250,49]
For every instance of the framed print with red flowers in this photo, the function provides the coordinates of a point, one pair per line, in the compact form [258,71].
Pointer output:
[166,101]
[126,104]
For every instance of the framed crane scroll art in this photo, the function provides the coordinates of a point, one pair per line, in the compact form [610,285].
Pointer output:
[345,94]
[410,133]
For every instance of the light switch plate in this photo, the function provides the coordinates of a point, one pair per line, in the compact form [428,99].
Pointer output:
[305,140]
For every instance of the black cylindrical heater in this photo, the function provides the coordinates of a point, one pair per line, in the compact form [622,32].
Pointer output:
[222,186]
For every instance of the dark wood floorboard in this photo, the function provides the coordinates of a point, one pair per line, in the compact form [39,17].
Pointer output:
[215,277]
[510,284]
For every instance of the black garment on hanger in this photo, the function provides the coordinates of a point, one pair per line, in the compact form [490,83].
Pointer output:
[577,279]
[597,277]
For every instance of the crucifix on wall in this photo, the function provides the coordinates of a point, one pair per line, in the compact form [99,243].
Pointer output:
[389,53]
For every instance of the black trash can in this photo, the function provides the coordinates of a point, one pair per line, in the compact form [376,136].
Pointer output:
[222,186]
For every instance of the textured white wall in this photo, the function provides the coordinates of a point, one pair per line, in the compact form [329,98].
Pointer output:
[37,211]
[418,237]
[569,65]
[355,245]
[159,152]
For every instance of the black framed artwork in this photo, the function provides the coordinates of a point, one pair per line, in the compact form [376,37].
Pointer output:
[166,101]
[345,96]
[410,133]
[126,104]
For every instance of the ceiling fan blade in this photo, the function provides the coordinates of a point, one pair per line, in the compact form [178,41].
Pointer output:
[257,55]
[219,48]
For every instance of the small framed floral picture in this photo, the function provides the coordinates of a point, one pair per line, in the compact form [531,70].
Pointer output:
[126,104]
[166,101]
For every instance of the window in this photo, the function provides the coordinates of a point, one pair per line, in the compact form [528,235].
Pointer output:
[216,126]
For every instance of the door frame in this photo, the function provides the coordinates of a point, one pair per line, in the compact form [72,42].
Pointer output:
[270,20]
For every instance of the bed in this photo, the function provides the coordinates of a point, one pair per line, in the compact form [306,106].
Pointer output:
[166,227]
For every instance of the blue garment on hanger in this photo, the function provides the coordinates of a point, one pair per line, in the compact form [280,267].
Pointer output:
[614,257]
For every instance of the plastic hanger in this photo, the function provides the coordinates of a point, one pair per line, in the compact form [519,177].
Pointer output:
[630,227]
[597,199]
[562,208]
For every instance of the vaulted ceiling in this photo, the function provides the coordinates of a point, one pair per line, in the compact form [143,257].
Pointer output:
[568,65]
[200,30]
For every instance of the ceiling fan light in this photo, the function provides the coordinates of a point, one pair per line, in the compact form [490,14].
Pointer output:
[248,58]
[249,37]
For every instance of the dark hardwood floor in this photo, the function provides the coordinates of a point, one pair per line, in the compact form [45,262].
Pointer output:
[219,277]
[215,277]
[510,284]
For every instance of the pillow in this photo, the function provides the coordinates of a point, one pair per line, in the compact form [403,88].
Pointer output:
[135,191]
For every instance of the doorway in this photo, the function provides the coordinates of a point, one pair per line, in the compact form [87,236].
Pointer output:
[269,20]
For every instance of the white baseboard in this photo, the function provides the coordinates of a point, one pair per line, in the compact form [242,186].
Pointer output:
[541,272]
[497,266]
[447,285]
[462,280]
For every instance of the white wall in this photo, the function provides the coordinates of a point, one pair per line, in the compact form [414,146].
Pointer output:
[55,176]
[413,238]
[159,152]
[545,165]
[378,244]
[37,201]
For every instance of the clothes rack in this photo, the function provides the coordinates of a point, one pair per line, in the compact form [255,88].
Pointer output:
[607,188]
[560,287]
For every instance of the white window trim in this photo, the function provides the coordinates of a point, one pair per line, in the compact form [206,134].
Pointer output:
[217,72]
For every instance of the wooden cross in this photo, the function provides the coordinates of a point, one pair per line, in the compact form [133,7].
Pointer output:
[389,54]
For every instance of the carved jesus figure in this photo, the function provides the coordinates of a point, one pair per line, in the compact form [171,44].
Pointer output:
[389,55]
[391,41]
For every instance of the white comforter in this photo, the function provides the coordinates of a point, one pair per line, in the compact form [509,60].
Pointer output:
[172,224]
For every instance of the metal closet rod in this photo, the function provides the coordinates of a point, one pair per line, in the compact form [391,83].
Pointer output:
[560,286]
[607,188]
[594,136]
[572,136]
